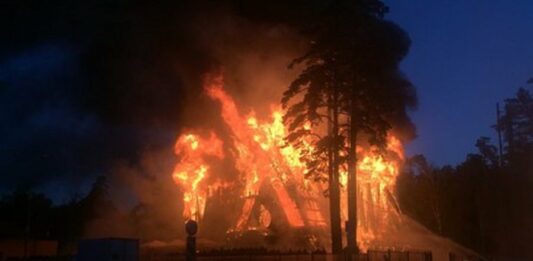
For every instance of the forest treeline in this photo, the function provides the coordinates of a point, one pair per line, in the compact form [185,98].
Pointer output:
[485,202]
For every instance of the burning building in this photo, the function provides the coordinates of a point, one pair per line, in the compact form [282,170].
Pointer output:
[272,203]
[275,195]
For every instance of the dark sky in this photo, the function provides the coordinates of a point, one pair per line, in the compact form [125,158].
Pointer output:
[465,57]
[77,80]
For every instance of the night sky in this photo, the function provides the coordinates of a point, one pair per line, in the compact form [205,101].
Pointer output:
[465,57]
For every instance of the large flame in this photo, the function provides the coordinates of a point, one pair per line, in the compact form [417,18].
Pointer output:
[192,171]
[376,180]
[263,157]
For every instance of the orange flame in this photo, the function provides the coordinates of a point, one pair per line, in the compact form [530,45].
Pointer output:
[262,158]
[193,170]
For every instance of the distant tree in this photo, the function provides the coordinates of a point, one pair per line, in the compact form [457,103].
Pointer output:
[480,202]
[517,124]
[426,184]
[25,214]
[67,225]
[97,203]
[488,152]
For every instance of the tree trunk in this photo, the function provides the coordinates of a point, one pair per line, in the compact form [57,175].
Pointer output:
[351,226]
[333,185]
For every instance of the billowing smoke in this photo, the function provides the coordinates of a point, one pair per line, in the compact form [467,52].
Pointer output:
[104,88]
[85,84]
[143,78]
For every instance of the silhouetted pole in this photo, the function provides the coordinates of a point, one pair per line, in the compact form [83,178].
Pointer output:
[498,128]
[191,227]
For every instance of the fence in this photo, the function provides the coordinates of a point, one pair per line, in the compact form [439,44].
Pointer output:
[370,256]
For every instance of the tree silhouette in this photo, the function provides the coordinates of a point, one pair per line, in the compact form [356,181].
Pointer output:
[480,203]
[517,125]
[488,151]
[98,204]
[351,82]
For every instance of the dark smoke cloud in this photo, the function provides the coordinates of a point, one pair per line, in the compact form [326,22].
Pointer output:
[84,84]
[87,85]
[92,88]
